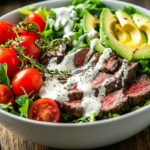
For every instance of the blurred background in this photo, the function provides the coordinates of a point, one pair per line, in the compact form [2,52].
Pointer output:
[8,5]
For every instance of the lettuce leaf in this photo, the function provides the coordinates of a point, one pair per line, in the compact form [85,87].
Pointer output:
[145,67]
[4,79]
[23,103]
[9,108]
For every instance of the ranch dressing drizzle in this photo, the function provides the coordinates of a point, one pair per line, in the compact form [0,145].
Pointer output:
[65,17]
[92,35]
[66,65]
[122,75]
[52,88]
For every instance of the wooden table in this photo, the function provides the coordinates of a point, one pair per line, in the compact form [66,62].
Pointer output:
[10,141]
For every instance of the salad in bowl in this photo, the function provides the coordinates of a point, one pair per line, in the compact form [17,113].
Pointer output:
[80,63]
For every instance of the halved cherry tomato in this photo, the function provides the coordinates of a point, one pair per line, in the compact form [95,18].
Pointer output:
[29,80]
[36,18]
[6,95]
[44,110]
[6,31]
[29,28]
[8,56]
[28,42]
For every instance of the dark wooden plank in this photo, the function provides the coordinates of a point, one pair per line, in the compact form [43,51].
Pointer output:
[10,141]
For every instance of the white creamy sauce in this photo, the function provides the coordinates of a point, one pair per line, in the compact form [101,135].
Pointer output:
[65,17]
[91,105]
[122,74]
[62,47]
[92,34]
[66,65]
[81,38]
[52,88]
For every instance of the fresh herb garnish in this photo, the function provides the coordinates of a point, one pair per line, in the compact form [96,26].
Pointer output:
[28,26]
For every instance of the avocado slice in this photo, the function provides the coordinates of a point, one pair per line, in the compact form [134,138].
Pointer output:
[121,35]
[89,24]
[142,53]
[128,25]
[107,22]
[143,23]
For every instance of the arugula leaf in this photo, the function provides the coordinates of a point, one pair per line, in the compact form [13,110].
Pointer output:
[130,10]
[66,118]
[91,118]
[93,6]
[9,108]
[145,66]
[113,115]
[23,102]
[3,75]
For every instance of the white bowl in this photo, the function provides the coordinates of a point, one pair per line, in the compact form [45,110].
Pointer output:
[87,135]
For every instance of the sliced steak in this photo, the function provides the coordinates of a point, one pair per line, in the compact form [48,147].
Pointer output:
[80,57]
[132,69]
[139,91]
[74,93]
[99,79]
[72,107]
[114,102]
[112,83]
[112,64]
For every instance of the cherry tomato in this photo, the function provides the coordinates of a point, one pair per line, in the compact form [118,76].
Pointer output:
[8,56]
[36,18]
[44,110]
[29,80]
[29,28]
[6,31]
[6,95]
[28,42]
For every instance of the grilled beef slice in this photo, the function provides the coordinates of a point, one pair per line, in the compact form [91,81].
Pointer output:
[74,93]
[116,83]
[114,102]
[112,64]
[134,95]
[80,57]
[139,91]
[72,107]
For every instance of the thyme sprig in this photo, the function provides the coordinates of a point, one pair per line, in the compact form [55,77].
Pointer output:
[49,46]
[28,26]
[27,61]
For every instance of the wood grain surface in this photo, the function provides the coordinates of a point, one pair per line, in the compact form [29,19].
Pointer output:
[10,141]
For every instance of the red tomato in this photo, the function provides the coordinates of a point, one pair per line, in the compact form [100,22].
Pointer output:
[36,18]
[6,95]
[6,31]
[28,42]
[44,110]
[8,56]
[34,35]
[31,29]
[28,79]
